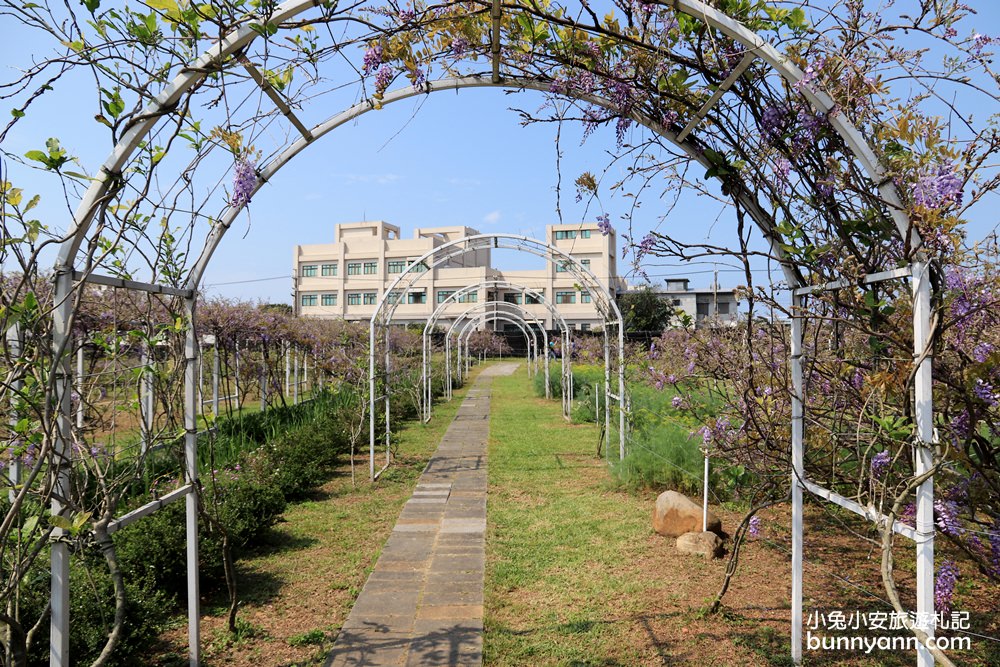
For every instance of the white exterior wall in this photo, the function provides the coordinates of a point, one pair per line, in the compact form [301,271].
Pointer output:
[378,242]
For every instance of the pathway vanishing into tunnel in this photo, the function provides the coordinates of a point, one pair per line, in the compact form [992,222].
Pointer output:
[423,603]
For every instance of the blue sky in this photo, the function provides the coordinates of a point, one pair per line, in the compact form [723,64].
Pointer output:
[445,159]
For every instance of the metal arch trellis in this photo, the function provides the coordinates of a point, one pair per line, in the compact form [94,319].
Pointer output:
[68,279]
[393,296]
[463,323]
[456,297]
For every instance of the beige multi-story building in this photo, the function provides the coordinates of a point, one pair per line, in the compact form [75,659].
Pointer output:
[706,307]
[345,279]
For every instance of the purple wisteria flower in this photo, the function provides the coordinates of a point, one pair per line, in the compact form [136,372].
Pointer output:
[773,123]
[995,549]
[946,517]
[244,181]
[753,528]
[880,463]
[645,246]
[810,74]
[677,402]
[782,167]
[383,78]
[460,46]
[604,224]
[937,187]
[984,392]
[372,59]
[982,352]
[944,586]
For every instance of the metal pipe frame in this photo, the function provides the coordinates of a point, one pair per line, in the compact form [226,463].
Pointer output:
[240,38]
[455,298]
[495,304]
[503,317]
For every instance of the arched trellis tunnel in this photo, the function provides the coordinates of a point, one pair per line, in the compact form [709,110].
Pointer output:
[379,355]
[69,277]
[457,297]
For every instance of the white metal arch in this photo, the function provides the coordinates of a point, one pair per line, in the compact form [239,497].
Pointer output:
[238,39]
[486,317]
[456,298]
[601,297]
[464,320]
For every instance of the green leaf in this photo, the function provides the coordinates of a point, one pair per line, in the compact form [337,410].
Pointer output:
[37,156]
[17,113]
[57,521]
[91,5]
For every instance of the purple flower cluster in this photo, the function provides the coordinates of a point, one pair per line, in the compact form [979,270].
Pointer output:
[677,402]
[995,549]
[244,181]
[880,463]
[937,187]
[753,528]
[773,123]
[645,246]
[372,59]
[982,352]
[383,78]
[604,224]
[810,74]
[946,517]
[984,392]
[460,46]
[944,586]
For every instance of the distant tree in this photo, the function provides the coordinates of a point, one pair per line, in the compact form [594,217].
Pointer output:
[282,308]
[644,310]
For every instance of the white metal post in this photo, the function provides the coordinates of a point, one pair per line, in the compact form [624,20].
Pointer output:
[924,460]
[798,475]
[14,348]
[146,399]
[623,406]
[79,383]
[371,398]
[215,378]
[236,362]
[295,377]
[192,354]
[286,347]
[607,389]
[704,500]
[62,450]
[264,378]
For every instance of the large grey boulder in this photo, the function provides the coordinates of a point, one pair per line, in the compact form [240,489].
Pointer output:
[676,514]
[705,544]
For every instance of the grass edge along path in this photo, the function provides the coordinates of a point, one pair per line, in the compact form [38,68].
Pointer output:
[299,586]
[575,574]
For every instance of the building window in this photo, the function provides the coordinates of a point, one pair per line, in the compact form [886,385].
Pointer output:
[562,267]
[565,297]
[512,297]
[471,297]
[308,299]
[354,299]
[585,326]
[371,268]
[585,263]
[370,298]
[565,234]
[414,298]
[397,265]
[702,309]
[419,266]
[309,271]
[354,268]
[328,270]
[675,302]
[724,308]
[394,296]
[329,300]
[585,234]
[443,295]
[584,297]
[531,300]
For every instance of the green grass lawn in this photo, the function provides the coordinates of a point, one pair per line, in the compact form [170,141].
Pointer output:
[556,592]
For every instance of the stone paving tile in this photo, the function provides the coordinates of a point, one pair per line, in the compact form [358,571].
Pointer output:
[423,602]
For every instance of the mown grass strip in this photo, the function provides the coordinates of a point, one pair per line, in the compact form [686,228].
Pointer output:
[556,591]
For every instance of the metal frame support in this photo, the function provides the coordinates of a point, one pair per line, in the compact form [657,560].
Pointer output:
[923,452]
[798,475]
[192,354]
[62,452]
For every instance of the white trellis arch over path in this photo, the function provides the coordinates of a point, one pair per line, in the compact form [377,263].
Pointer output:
[69,277]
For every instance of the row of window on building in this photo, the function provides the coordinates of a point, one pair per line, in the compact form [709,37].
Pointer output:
[419,297]
[370,268]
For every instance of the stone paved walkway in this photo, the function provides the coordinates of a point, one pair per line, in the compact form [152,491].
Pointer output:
[423,602]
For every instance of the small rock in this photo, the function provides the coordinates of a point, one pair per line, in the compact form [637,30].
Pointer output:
[705,544]
[676,514]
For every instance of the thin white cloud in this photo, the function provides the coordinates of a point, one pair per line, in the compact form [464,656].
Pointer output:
[492,218]
[377,179]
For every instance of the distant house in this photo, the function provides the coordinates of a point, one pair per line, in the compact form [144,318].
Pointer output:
[706,307]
